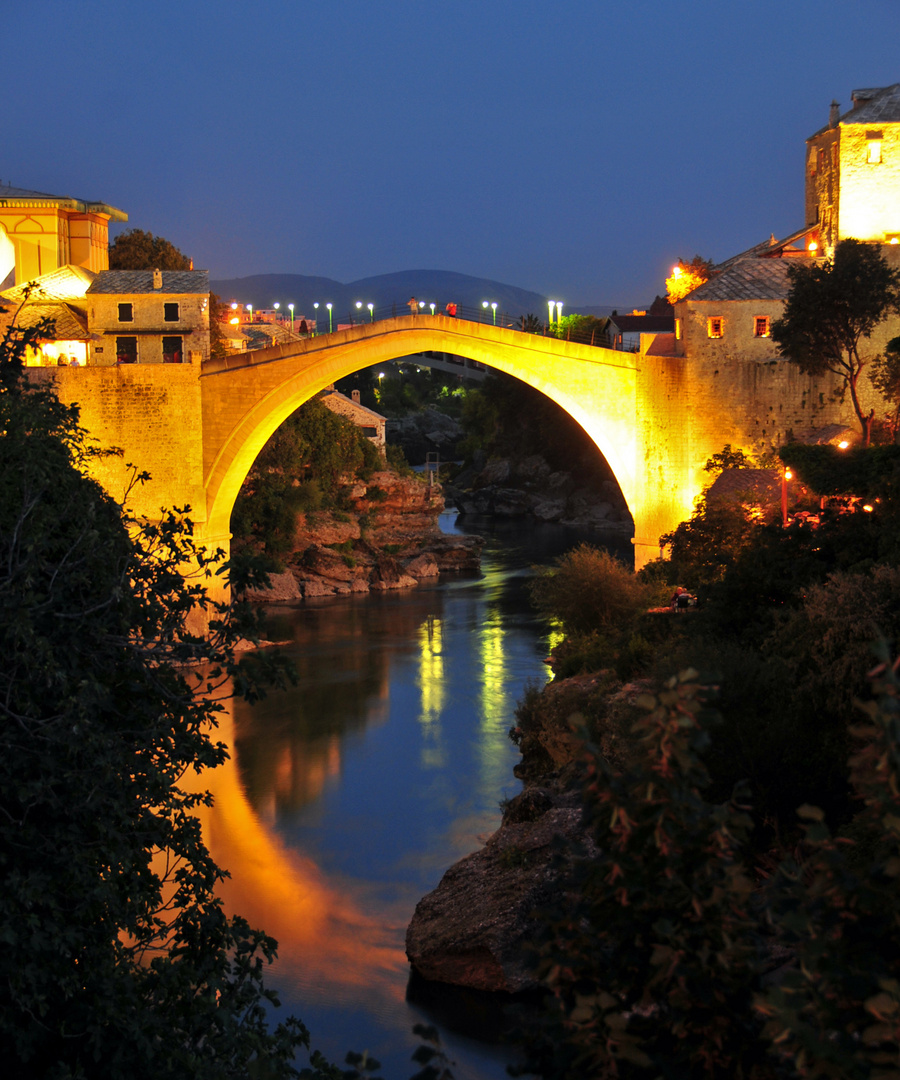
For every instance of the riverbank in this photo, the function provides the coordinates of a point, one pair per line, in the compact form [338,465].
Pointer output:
[387,538]
[474,929]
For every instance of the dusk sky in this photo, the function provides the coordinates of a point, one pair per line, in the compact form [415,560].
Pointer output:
[574,148]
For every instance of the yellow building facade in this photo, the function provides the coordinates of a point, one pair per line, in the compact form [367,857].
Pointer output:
[40,233]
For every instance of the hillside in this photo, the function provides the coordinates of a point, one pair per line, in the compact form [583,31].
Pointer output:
[384,290]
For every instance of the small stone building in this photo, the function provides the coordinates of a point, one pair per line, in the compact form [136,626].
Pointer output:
[371,422]
[148,317]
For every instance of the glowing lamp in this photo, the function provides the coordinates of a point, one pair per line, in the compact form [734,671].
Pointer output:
[813,246]
[234,307]
[788,475]
[843,444]
[868,509]
[550,305]
[276,305]
[371,308]
[432,308]
[895,240]
[234,322]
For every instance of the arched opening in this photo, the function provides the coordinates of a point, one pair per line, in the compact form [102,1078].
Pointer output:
[248,398]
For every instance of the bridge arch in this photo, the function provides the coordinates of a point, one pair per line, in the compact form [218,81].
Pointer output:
[246,398]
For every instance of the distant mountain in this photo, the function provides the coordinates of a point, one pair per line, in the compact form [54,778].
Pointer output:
[386,291]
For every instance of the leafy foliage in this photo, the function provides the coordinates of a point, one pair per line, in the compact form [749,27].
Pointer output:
[862,471]
[118,960]
[301,468]
[650,954]
[833,305]
[136,249]
[686,277]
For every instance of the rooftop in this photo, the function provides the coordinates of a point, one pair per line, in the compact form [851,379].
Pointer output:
[17,195]
[66,283]
[131,282]
[750,278]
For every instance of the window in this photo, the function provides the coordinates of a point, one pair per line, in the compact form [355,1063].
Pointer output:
[715,327]
[126,313]
[171,348]
[678,329]
[873,148]
[170,312]
[761,326]
[126,350]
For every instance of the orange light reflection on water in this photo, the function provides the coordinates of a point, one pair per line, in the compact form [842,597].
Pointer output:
[319,926]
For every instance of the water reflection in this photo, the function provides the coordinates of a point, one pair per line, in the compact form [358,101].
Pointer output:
[349,795]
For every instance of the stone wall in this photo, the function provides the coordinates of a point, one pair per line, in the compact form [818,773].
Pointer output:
[153,414]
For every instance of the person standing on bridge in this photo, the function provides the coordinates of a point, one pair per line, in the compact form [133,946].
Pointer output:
[451,310]
[413,305]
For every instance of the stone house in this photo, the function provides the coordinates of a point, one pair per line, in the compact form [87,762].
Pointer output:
[371,422]
[852,189]
[148,317]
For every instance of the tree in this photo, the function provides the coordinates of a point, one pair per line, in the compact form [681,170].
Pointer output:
[686,277]
[831,307]
[117,960]
[135,249]
[886,380]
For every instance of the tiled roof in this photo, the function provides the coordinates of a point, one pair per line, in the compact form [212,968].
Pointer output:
[878,105]
[66,283]
[130,282]
[70,324]
[17,194]
[751,278]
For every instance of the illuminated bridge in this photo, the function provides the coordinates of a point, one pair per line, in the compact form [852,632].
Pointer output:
[198,428]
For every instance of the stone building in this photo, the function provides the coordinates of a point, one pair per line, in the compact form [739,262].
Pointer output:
[852,190]
[148,317]
[370,422]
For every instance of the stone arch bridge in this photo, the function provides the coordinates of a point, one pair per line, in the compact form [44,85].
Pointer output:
[198,428]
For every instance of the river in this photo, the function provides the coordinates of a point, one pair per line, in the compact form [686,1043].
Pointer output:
[349,795]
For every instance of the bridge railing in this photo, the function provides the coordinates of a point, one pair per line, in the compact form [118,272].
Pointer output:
[529,324]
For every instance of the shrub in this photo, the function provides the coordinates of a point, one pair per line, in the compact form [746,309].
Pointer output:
[589,589]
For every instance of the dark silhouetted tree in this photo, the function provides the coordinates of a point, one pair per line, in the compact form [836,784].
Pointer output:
[135,249]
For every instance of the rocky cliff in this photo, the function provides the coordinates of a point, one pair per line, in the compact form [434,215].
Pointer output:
[388,538]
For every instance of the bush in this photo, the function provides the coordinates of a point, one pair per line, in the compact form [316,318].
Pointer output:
[589,589]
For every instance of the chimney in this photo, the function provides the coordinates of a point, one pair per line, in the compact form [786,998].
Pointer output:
[354,395]
[157,279]
[834,114]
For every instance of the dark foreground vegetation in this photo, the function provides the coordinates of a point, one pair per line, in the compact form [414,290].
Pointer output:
[117,960]
[741,919]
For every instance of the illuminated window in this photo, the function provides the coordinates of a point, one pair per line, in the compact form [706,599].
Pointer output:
[761,326]
[678,329]
[170,312]
[873,151]
[834,155]
[715,327]
[126,313]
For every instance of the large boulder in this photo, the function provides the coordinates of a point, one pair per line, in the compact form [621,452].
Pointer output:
[473,929]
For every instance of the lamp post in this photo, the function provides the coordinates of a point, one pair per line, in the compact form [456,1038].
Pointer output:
[432,306]
[316,315]
[291,310]
[371,308]
[249,307]
[559,306]
[785,476]
[484,304]
[551,304]
[328,305]
[494,309]
[359,305]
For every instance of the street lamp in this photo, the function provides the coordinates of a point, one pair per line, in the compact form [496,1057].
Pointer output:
[484,304]
[432,306]
[358,307]
[550,306]
[316,309]
[371,308]
[494,309]
[559,305]
[291,310]
[328,305]
[785,476]
[249,307]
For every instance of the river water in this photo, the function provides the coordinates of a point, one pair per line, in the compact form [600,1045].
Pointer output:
[349,795]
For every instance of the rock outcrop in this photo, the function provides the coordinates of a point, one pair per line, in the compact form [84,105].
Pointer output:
[528,487]
[388,539]
[476,927]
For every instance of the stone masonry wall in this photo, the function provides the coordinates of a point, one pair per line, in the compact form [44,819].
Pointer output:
[152,412]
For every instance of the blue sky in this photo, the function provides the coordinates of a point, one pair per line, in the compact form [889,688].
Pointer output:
[575,148]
